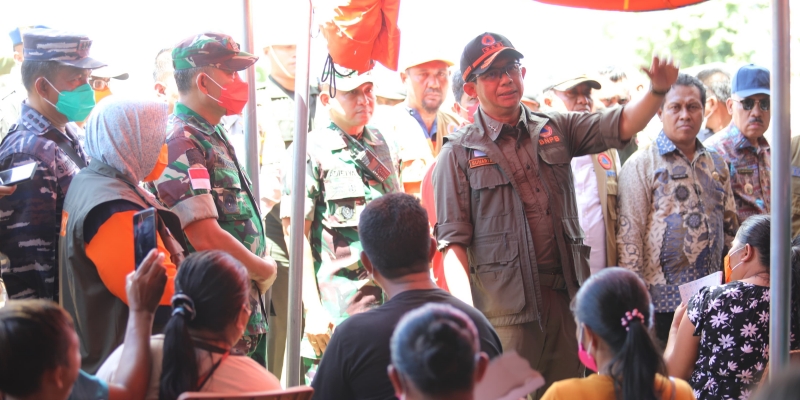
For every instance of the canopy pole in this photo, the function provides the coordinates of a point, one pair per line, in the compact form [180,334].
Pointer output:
[251,141]
[295,309]
[781,200]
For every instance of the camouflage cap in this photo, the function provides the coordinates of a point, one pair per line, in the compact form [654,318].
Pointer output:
[211,49]
[54,45]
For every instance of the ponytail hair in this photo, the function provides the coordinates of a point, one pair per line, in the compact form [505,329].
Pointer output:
[436,347]
[616,306]
[210,289]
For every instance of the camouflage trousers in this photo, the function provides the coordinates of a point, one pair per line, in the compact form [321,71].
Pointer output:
[255,346]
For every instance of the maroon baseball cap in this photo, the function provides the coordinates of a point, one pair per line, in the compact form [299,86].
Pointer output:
[480,53]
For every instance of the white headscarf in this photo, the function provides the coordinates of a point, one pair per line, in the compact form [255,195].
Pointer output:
[127,135]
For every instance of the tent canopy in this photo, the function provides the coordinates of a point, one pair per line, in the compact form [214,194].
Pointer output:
[623,5]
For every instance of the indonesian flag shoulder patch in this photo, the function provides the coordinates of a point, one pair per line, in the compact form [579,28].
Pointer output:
[199,179]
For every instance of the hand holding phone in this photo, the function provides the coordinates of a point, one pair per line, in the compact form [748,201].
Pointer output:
[18,174]
[144,234]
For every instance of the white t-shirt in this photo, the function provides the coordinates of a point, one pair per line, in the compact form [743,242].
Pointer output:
[590,211]
[236,374]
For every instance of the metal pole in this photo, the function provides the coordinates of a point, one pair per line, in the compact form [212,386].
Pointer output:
[781,200]
[295,310]
[251,164]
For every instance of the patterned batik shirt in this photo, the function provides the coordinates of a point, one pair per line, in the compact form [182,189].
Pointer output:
[732,321]
[749,167]
[30,219]
[676,217]
[337,191]
[216,187]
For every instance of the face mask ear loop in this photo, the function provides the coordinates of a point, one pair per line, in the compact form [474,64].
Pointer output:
[215,82]
[54,88]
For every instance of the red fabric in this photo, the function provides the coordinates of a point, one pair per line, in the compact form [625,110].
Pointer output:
[361,32]
[426,198]
[624,5]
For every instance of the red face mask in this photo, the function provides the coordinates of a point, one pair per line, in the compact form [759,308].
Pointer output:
[233,96]
[471,111]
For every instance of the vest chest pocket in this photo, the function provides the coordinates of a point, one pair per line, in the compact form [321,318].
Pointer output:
[497,287]
[491,191]
[558,162]
[344,195]
[579,252]
[229,197]
[611,190]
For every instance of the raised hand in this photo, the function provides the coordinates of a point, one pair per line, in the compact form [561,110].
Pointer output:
[663,73]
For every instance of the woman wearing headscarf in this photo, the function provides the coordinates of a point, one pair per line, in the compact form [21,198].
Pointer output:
[126,142]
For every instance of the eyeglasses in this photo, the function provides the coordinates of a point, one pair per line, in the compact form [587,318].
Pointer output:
[495,74]
[748,104]
[98,83]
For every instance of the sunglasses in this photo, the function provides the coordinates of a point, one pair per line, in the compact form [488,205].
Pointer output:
[748,104]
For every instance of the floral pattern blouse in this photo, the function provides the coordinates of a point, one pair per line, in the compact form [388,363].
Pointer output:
[732,321]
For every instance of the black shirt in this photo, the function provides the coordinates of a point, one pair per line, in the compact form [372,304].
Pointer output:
[354,364]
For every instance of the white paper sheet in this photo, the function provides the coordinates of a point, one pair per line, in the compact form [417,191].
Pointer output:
[689,289]
[508,377]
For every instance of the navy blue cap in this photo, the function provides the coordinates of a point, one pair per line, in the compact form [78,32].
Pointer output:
[54,45]
[16,34]
[749,80]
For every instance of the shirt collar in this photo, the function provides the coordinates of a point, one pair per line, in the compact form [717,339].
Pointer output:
[666,146]
[417,116]
[739,141]
[494,127]
[189,116]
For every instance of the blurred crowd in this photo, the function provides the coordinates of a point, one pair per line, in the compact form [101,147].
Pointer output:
[453,219]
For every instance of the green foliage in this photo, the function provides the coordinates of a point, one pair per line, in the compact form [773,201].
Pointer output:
[716,31]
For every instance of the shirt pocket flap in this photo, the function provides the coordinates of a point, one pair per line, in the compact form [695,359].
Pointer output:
[231,201]
[572,229]
[487,177]
[494,253]
[554,156]
[497,287]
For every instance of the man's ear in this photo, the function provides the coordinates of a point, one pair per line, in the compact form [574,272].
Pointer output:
[456,108]
[367,263]
[660,110]
[523,70]
[711,105]
[324,98]
[160,88]
[432,251]
[548,102]
[470,89]
[266,50]
[729,104]
[394,377]
[480,367]
[200,82]
[403,76]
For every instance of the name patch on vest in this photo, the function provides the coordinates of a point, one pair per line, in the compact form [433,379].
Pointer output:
[480,162]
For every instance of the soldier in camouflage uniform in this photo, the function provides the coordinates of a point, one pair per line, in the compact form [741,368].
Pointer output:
[55,72]
[348,165]
[204,183]
[276,113]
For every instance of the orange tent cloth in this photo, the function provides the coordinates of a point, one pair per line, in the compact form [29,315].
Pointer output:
[623,5]
[362,32]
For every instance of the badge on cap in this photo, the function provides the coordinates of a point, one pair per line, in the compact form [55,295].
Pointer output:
[748,188]
[487,40]
[604,161]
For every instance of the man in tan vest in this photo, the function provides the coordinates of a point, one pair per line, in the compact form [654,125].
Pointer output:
[595,175]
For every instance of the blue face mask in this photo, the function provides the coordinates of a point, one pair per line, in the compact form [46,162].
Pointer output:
[75,104]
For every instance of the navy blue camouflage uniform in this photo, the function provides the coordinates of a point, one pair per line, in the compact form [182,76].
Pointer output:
[30,218]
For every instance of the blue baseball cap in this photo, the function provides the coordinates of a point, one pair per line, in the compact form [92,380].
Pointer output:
[16,33]
[749,80]
[54,45]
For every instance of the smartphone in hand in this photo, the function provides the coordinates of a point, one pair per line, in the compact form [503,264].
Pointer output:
[18,174]
[144,234]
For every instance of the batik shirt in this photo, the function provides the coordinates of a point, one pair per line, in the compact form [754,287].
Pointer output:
[337,191]
[732,321]
[30,219]
[676,217]
[217,187]
[749,168]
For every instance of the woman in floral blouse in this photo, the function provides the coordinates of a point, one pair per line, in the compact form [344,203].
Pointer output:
[720,342]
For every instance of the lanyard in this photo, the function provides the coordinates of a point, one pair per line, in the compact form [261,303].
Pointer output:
[211,349]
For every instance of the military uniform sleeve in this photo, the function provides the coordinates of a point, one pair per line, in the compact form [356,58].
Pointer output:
[28,229]
[189,199]
[312,186]
[451,195]
[590,133]
[633,205]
